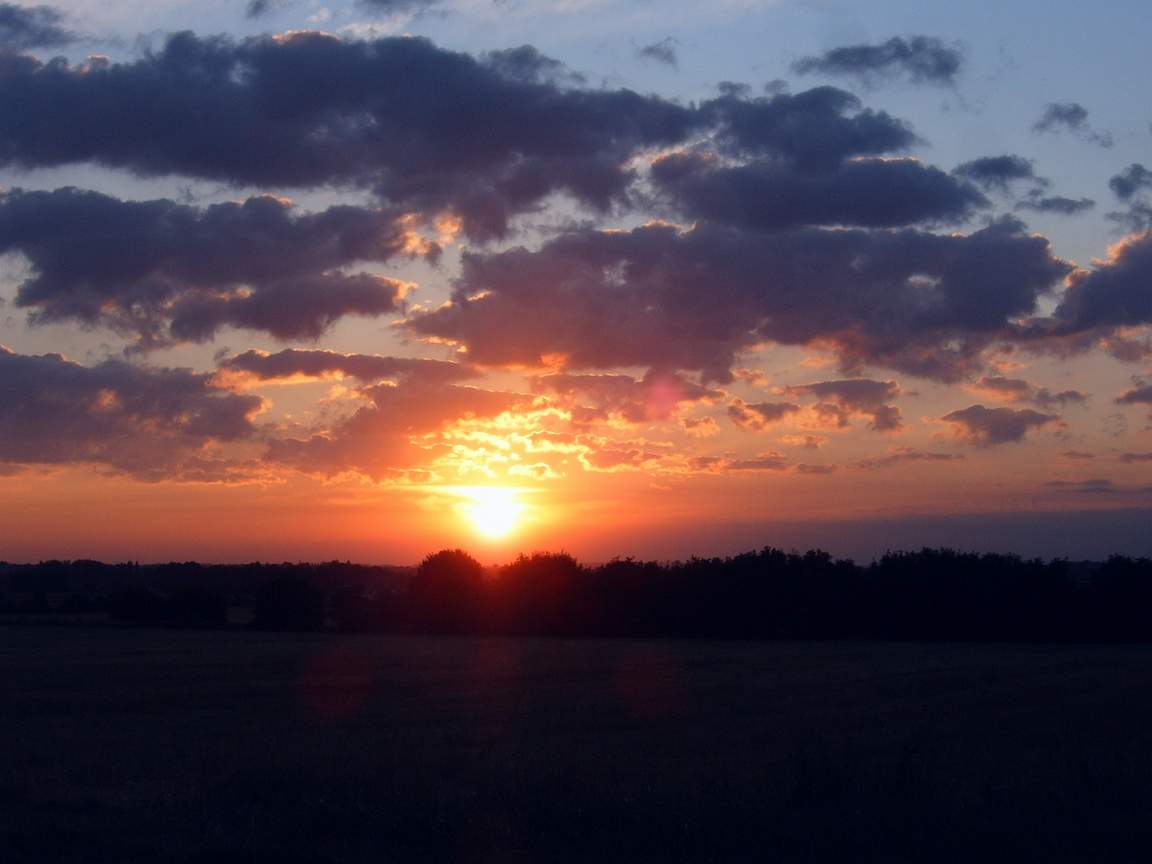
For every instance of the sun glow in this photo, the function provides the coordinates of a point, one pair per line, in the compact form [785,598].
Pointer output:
[494,511]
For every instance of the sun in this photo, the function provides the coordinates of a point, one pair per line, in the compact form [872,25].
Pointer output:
[493,511]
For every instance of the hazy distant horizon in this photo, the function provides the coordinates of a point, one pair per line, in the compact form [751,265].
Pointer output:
[1045,535]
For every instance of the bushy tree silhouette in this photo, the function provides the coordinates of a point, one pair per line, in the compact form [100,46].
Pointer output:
[447,593]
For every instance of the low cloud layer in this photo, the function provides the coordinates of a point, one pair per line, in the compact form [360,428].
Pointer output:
[169,272]
[293,364]
[149,422]
[694,299]
[986,427]
[839,401]
[773,195]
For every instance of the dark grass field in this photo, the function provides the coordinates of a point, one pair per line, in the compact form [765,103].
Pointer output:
[203,747]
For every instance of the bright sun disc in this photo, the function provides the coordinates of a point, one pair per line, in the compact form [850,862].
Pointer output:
[494,513]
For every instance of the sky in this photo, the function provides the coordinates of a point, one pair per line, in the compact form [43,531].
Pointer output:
[293,279]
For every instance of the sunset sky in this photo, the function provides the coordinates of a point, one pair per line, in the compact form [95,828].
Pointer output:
[293,279]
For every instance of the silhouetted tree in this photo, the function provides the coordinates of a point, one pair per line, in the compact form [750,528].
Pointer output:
[447,593]
[544,593]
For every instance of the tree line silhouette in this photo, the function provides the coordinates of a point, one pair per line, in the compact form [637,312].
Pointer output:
[770,594]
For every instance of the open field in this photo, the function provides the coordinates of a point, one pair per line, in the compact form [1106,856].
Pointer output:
[190,747]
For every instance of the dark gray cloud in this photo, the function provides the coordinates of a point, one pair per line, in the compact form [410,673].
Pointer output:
[663,51]
[1057,204]
[757,416]
[1070,117]
[149,422]
[170,272]
[773,194]
[1117,293]
[693,299]
[26,27]
[301,307]
[919,59]
[256,8]
[1133,186]
[426,128]
[1131,181]
[987,427]
[998,173]
[297,363]
[526,64]
[814,130]
[839,401]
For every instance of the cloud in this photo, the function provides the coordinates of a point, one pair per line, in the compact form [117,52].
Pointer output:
[813,130]
[919,59]
[152,423]
[656,397]
[757,416]
[900,455]
[1077,455]
[307,109]
[998,173]
[1018,390]
[839,401]
[1131,181]
[806,442]
[1117,293]
[986,427]
[169,272]
[815,469]
[762,462]
[1141,395]
[25,27]
[1132,186]
[1083,487]
[772,194]
[1135,458]
[1056,204]
[663,52]
[256,8]
[400,430]
[293,364]
[1070,117]
[693,299]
